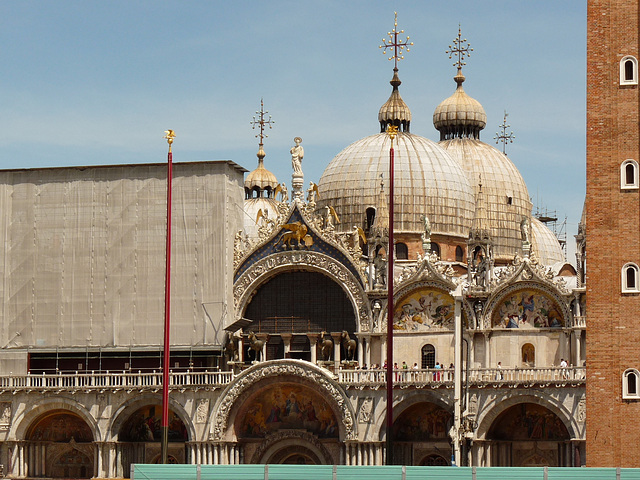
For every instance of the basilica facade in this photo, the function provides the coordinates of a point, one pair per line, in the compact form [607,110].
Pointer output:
[280,311]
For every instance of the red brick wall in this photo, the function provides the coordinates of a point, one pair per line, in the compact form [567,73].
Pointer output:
[613,235]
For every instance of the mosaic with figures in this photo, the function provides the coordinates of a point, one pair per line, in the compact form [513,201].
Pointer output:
[423,421]
[286,406]
[528,309]
[423,310]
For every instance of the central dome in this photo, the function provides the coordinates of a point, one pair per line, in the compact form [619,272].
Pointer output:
[428,181]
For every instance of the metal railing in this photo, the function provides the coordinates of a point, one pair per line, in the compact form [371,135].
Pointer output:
[128,381]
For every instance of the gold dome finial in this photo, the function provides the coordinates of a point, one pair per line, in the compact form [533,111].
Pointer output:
[169,135]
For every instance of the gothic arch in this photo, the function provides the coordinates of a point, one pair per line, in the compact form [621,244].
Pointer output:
[126,409]
[266,268]
[498,405]
[270,372]
[24,420]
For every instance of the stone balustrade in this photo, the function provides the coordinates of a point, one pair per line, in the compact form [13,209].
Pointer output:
[128,381]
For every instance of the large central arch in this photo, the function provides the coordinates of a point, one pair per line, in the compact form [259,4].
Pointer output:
[264,374]
[266,268]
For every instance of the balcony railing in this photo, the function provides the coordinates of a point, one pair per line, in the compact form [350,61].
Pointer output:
[152,381]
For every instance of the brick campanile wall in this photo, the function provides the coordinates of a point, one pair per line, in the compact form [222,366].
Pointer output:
[613,234]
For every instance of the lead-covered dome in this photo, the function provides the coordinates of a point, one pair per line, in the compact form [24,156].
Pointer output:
[505,194]
[545,243]
[427,182]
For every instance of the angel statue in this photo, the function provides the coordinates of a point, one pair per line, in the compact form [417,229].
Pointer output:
[281,189]
[329,216]
[313,194]
[297,154]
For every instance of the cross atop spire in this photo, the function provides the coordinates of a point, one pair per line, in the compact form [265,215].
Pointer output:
[261,122]
[504,137]
[395,44]
[460,50]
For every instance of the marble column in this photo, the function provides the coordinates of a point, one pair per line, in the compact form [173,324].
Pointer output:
[313,343]
[286,339]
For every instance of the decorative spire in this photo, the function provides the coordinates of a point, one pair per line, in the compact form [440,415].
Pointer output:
[504,137]
[260,182]
[460,50]
[459,116]
[395,44]
[395,111]
[261,122]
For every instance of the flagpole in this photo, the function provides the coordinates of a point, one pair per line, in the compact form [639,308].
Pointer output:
[392,131]
[164,425]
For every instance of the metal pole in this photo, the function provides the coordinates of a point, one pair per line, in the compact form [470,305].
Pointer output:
[164,425]
[392,131]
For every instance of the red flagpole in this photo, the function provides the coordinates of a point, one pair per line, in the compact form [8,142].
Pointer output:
[164,425]
[392,131]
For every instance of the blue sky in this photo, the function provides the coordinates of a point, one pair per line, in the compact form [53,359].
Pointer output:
[94,83]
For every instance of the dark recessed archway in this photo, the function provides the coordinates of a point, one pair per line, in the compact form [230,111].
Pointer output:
[301,302]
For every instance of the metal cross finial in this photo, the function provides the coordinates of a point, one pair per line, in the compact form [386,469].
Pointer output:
[504,137]
[460,50]
[262,122]
[395,44]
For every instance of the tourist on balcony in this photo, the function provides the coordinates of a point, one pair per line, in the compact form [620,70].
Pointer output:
[499,374]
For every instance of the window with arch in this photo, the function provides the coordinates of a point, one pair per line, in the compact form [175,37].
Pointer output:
[629,174]
[528,355]
[628,70]
[631,384]
[428,356]
[459,254]
[402,252]
[435,248]
[630,278]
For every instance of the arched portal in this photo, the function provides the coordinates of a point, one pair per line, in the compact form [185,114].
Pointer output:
[64,440]
[529,435]
[421,434]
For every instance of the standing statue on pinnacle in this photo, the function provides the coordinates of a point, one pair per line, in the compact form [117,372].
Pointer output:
[297,154]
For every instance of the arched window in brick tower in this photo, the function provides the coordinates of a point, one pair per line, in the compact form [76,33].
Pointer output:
[628,70]
[629,175]
[631,384]
[459,254]
[630,278]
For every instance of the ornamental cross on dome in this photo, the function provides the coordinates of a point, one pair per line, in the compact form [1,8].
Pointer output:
[504,137]
[395,44]
[262,122]
[460,50]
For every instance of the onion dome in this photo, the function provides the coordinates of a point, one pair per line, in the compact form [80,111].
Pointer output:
[459,116]
[260,179]
[395,111]
[545,244]
[259,188]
